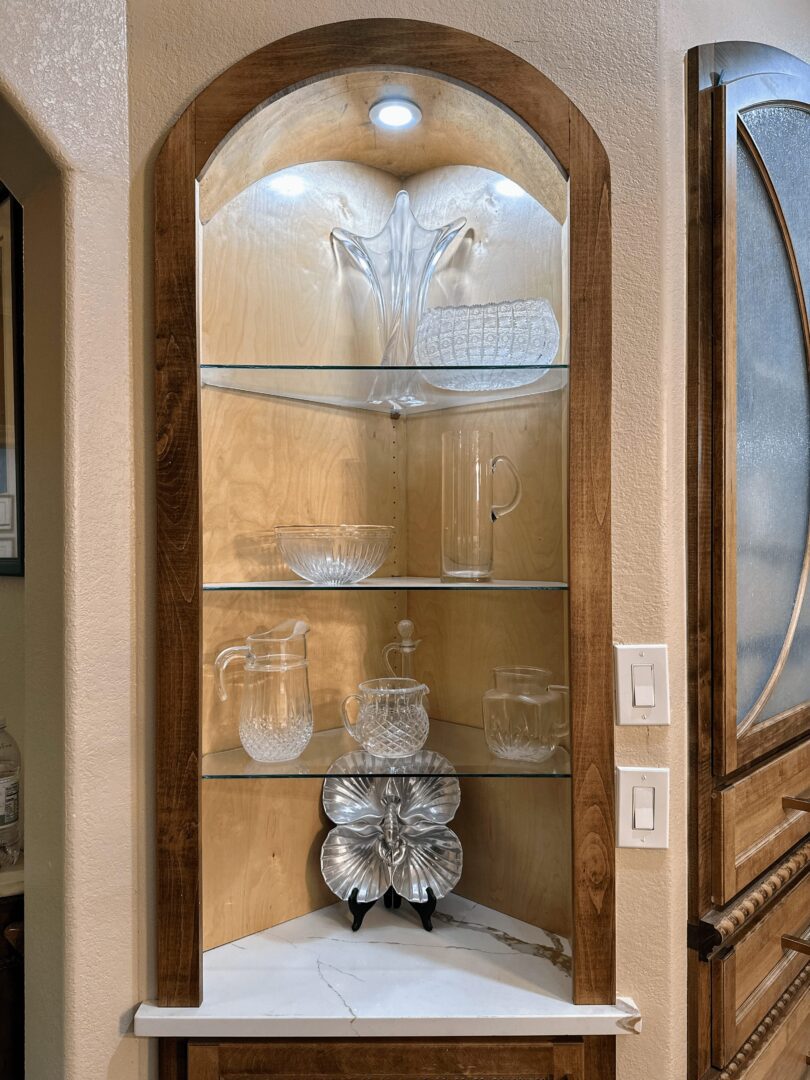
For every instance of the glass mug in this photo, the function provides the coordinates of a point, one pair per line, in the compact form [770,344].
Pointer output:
[275,717]
[391,719]
[468,511]
[524,718]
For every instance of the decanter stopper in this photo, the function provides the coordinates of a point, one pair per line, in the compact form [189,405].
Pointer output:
[406,647]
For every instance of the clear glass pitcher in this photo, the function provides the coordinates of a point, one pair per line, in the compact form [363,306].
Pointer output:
[275,718]
[468,509]
[525,719]
[391,719]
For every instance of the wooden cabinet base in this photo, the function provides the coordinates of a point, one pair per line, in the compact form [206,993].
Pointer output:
[591,1058]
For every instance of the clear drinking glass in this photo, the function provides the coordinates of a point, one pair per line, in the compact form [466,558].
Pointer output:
[275,718]
[392,720]
[524,718]
[468,511]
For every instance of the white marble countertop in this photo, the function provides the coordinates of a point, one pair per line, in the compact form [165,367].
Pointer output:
[478,973]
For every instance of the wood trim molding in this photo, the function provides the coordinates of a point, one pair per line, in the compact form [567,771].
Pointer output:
[177,728]
[589,556]
[546,110]
[765,1031]
[725,924]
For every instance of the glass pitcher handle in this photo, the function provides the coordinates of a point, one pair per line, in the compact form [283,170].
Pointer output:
[508,507]
[350,727]
[395,646]
[236,652]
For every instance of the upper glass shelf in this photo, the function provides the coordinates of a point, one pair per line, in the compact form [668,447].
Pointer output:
[400,390]
[464,747]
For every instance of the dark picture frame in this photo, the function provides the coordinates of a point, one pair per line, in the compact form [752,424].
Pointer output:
[12,533]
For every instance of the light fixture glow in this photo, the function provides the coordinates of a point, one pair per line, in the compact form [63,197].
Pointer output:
[395,114]
[287,184]
[508,187]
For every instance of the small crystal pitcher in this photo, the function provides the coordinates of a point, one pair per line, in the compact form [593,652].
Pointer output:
[275,718]
[468,507]
[524,718]
[391,720]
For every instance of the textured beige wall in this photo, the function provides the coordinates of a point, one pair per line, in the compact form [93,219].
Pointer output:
[63,87]
[64,67]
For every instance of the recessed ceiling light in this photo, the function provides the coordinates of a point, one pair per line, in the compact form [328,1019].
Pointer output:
[287,184]
[505,186]
[396,114]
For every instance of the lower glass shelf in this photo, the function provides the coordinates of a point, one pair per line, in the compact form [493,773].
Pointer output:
[464,747]
[436,584]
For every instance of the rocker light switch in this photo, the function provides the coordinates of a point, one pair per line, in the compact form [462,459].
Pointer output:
[643,678]
[642,807]
[642,684]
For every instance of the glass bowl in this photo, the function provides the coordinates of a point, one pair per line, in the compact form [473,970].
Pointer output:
[334,554]
[501,339]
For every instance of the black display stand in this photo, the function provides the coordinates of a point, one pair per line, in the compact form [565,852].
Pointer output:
[391,899]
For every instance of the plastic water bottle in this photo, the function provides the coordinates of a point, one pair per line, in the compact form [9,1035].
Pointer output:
[9,797]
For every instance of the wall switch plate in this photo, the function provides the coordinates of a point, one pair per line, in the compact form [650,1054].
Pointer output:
[642,684]
[642,807]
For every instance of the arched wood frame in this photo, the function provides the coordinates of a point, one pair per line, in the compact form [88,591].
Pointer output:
[208,119]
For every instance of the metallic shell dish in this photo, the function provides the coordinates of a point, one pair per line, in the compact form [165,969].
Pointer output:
[431,859]
[352,793]
[347,799]
[351,859]
[391,830]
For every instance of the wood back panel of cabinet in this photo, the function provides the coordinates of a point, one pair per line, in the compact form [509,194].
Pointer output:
[752,828]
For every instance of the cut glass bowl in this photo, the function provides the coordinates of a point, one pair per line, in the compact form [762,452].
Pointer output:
[504,336]
[334,554]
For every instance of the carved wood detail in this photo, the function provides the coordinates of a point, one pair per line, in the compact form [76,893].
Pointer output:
[748,905]
[765,1031]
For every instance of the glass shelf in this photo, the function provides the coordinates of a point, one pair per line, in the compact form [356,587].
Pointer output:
[381,583]
[401,390]
[465,747]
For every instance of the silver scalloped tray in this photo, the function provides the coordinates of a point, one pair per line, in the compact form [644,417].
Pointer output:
[391,830]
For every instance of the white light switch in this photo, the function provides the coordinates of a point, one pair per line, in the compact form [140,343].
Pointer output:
[643,679]
[642,807]
[642,684]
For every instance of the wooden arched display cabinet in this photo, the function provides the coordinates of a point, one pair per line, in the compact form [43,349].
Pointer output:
[274,408]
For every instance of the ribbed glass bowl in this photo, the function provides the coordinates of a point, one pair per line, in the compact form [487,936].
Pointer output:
[334,554]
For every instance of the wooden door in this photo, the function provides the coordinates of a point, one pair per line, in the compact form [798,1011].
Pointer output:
[749,546]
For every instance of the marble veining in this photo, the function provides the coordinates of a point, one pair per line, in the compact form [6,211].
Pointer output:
[478,973]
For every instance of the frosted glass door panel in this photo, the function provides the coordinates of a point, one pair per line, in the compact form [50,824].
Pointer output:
[782,136]
[772,451]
